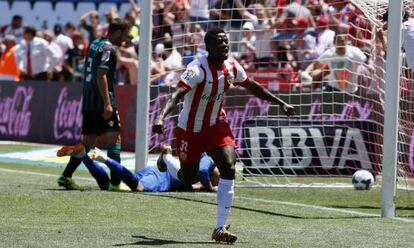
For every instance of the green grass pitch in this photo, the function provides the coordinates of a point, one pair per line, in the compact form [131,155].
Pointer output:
[35,212]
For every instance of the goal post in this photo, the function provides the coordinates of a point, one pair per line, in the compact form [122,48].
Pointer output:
[391,112]
[143,96]
[335,132]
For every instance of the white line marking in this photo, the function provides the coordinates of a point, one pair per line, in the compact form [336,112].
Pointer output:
[42,174]
[237,197]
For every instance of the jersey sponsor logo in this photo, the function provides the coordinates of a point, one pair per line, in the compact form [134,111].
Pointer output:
[340,145]
[189,74]
[105,56]
[215,97]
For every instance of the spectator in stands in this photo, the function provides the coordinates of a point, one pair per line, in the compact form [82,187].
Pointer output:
[57,50]
[324,36]
[36,59]
[131,17]
[70,29]
[341,13]
[361,34]
[263,32]
[199,13]
[176,14]
[192,49]
[65,42]
[173,63]
[220,12]
[157,62]
[296,9]
[280,42]
[302,46]
[111,15]
[408,40]
[247,54]
[8,64]
[15,28]
[343,61]
[94,28]
[160,29]
[173,59]
[128,60]
[137,10]
[74,62]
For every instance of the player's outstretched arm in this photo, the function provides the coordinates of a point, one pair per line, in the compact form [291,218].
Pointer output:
[259,91]
[158,126]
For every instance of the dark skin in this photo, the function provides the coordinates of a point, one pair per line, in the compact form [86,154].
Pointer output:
[223,157]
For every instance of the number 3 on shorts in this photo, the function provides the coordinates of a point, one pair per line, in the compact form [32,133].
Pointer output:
[183,149]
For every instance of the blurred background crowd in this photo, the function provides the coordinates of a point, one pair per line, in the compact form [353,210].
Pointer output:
[286,36]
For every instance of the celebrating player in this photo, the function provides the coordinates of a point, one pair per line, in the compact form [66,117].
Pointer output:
[100,115]
[202,124]
[150,179]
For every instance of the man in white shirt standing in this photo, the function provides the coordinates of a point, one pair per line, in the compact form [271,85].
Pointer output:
[14,28]
[36,59]
[343,61]
[408,42]
[324,36]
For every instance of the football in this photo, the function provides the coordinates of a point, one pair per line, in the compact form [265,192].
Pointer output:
[362,180]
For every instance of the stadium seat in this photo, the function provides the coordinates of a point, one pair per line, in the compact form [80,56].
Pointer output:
[61,12]
[6,14]
[82,9]
[39,10]
[125,7]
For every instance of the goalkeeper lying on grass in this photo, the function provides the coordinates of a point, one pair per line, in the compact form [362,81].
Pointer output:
[150,179]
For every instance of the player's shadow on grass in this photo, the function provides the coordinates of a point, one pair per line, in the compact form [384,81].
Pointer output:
[265,211]
[67,190]
[153,241]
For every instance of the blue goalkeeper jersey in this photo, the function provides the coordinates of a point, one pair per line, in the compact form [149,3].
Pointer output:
[154,180]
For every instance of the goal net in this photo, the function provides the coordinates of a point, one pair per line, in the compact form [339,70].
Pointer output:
[295,51]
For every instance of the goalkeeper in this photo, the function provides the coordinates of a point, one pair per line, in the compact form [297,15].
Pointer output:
[150,179]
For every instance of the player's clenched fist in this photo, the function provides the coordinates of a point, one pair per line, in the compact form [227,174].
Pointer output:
[288,109]
[158,126]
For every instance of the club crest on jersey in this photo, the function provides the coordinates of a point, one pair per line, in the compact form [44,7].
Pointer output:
[188,74]
[183,156]
[105,56]
[111,123]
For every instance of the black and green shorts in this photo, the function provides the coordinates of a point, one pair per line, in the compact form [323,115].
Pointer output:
[94,123]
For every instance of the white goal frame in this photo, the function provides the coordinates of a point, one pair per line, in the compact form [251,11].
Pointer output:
[393,71]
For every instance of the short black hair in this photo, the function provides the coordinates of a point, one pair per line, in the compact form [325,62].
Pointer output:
[168,45]
[212,34]
[57,29]
[70,25]
[17,18]
[341,33]
[118,24]
[30,30]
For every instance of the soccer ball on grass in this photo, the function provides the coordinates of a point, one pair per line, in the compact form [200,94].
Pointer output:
[362,180]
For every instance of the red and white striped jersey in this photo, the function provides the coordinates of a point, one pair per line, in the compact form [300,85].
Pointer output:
[207,86]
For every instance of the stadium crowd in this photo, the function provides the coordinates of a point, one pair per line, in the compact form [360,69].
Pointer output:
[281,35]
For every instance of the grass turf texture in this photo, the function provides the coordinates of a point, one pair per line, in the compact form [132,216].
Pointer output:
[35,212]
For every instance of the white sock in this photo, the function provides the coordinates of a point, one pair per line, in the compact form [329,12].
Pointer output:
[173,165]
[225,195]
